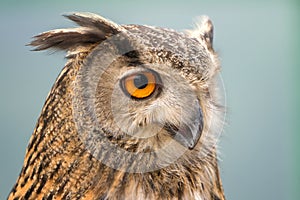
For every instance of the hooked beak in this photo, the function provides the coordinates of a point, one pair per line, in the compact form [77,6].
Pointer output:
[188,133]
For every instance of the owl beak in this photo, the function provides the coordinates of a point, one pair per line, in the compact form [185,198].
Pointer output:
[188,134]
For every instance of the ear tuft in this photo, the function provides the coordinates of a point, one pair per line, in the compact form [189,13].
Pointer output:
[91,20]
[204,31]
[93,28]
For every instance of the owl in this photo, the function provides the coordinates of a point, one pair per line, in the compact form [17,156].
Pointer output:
[134,114]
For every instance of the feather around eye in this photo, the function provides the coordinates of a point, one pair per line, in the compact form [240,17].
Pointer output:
[139,85]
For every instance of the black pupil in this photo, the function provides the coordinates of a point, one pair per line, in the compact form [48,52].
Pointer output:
[140,81]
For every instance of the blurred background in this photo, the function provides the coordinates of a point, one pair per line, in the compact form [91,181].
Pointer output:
[258,43]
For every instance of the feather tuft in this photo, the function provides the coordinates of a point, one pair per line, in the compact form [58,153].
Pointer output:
[203,31]
[93,29]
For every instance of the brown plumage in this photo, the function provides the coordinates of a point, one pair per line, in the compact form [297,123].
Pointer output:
[84,145]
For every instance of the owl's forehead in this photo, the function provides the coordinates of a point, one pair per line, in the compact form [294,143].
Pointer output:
[168,40]
[186,53]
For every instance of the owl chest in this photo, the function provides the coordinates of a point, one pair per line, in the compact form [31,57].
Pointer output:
[140,191]
[141,195]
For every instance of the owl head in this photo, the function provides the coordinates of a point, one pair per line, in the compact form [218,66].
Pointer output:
[140,93]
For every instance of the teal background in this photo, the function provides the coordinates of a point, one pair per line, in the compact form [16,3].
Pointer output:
[258,43]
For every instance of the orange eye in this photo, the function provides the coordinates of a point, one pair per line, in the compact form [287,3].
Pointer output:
[140,85]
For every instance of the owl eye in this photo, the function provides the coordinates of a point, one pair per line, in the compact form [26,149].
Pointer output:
[140,85]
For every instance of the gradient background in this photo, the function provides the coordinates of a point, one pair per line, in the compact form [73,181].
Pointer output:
[258,43]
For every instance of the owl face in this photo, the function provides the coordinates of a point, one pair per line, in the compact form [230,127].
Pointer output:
[144,93]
